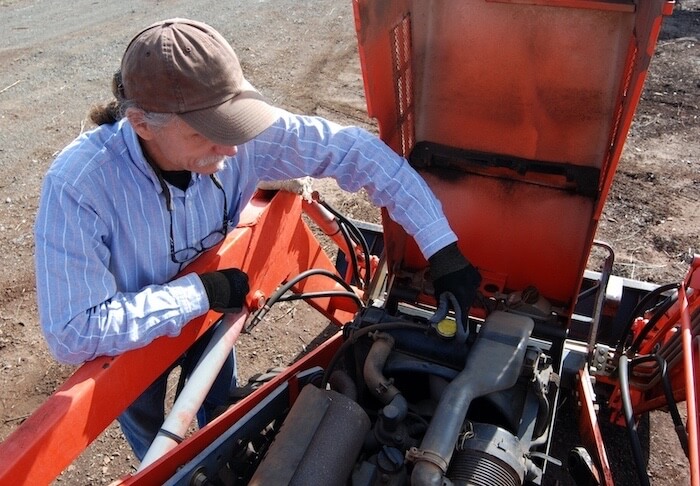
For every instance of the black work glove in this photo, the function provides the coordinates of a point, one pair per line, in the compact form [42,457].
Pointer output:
[452,272]
[226,289]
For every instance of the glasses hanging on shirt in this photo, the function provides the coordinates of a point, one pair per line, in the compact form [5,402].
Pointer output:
[186,254]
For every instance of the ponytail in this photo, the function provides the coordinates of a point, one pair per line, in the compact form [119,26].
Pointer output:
[113,111]
[105,114]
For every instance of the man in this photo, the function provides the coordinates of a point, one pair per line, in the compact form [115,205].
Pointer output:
[175,158]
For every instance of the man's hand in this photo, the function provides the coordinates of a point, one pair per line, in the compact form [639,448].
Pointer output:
[453,273]
[226,289]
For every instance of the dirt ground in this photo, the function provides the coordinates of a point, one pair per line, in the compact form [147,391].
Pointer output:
[58,59]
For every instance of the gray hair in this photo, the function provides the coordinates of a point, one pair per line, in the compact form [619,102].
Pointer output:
[155,120]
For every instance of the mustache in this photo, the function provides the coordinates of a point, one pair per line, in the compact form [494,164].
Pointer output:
[216,160]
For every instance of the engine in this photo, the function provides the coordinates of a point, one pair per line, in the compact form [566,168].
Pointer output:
[413,401]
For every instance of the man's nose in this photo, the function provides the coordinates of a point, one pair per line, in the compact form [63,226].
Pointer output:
[227,150]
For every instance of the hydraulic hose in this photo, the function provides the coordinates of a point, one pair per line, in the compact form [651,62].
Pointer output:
[318,295]
[354,232]
[629,420]
[638,310]
[658,313]
[353,256]
[668,393]
[277,296]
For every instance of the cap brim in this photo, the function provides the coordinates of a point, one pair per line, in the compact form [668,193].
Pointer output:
[235,121]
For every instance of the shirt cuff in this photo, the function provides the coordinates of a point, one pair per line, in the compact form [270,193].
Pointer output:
[189,292]
[434,237]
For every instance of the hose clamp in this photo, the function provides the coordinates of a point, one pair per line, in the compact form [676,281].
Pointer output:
[414,455]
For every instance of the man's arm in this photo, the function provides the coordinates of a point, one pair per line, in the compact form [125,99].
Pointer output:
[297,146]
[83,314]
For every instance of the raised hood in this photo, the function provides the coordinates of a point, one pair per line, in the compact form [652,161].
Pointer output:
[515,113]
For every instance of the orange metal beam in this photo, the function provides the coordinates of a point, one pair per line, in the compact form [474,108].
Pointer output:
[589,428]
[691,398]
[271,243]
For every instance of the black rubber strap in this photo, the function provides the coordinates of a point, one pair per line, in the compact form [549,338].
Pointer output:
[171,435]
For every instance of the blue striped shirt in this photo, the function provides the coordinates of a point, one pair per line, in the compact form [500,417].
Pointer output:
[103,261]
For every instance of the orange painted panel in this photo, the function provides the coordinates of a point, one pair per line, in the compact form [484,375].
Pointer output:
[548,82]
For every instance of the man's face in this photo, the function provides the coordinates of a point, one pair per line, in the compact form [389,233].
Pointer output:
[177,146]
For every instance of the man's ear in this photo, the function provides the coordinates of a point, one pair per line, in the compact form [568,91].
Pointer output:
[137,120]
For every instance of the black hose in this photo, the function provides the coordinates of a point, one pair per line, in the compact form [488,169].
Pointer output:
[352,256]
[658,313]
[316,295]
[629,420]
[279,293]
[668,393]
[359,238]
[354,232]
[639,310]
[357,334]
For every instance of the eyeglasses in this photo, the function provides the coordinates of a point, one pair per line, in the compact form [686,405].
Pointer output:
[184,255]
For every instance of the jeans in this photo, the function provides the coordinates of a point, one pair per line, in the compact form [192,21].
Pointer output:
[142,420]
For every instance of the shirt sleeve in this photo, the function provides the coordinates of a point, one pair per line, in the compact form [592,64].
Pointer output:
[83,314]
[298,146]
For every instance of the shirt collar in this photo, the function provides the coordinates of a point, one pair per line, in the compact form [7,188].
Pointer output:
[131,140]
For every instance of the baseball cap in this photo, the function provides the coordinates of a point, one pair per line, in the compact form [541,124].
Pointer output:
[186,67]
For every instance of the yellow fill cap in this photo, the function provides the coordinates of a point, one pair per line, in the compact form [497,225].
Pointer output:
[446,328]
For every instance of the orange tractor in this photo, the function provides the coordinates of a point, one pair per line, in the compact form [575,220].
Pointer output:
[515,112]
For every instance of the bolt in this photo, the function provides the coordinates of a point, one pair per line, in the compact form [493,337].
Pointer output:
[258,300]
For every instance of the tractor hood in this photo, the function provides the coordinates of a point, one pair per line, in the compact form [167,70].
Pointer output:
[515,113]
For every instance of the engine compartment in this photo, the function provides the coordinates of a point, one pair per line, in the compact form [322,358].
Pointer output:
[402,403]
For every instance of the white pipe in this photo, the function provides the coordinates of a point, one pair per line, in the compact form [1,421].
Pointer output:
[197,387]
